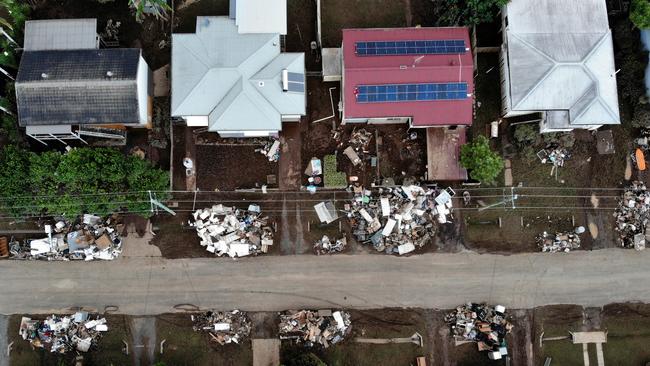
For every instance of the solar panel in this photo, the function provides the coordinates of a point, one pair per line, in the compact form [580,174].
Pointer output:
[296,87]
[422,47]
[296,77]
[410,92]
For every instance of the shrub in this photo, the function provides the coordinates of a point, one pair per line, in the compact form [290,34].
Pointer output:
[484,164]
[526,134]
[640,13]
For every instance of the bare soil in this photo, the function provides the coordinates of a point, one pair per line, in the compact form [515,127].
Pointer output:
[228,168]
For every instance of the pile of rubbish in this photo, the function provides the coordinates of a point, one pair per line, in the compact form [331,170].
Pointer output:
[398,220]
[233,232]
[560,242]
[271,150]
[554,155]
[78,332]
[360,140]
[311,328]
[88,238]
[483,324]
[223,327]
[632,215]
[326,246]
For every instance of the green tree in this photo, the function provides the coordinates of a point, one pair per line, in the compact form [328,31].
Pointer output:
[159,8]
[484,164]
[100,181]
[640,13]
[469,12]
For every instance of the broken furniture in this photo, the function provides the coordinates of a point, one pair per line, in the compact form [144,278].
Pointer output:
[87,238]
[632,215]
[326,246]
[271,150]
[560,242]
[486,325]
[400,219]
[326,212]
[62,334]
[223,327]
[231,231]
[310,328]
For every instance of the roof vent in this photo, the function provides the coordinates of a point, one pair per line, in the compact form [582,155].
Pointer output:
[44,75]
[402,67]
[285,80]
[260,84]
[109,74]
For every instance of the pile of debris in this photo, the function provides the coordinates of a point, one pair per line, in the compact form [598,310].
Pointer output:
[271,150]
[223,327]
[632,215]
[554,155]
[360,140]
[78,332]
[483,324]
[233,232]
[88,238]
[325,245]
[398,220]
[311,328]
[560,242]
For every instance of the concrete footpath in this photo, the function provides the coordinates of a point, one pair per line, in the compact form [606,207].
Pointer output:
[147,286]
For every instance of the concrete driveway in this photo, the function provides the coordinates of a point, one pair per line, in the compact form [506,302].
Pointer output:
[155,285]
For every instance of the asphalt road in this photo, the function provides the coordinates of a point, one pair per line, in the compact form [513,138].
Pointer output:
[155,285]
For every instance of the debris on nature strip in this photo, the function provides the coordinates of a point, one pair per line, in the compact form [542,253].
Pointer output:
[223,327]
[62,334]
[559,242]
[487,325]
[401,219]
[310,328]
[326,246]
[233,232]
[88,238]
[271,150]
[632,215]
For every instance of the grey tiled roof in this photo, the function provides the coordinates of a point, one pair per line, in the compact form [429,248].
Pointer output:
[73,87]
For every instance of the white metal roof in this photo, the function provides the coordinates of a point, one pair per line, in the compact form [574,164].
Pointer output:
[233,78]
[60,34]
[261,16]
[560,57]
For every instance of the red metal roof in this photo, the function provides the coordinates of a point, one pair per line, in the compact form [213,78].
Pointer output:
[369,70]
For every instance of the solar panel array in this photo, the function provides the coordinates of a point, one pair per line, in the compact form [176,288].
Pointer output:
[423,47]
[410,92]
[296,82]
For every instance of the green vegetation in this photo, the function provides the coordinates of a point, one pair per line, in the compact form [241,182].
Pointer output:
[305,359]
[640,13]
[100,180]
[471,12]
[332,177]
[159,7]
[484,164]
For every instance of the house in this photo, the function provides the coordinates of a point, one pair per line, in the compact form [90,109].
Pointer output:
[68,87]
[235,84]
[557,59]
[422,77]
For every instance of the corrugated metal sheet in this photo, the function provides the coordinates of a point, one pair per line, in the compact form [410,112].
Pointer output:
[60,34]
[368,70]
[72,87]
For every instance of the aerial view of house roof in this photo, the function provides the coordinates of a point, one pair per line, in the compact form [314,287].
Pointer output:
[235,79]
[560,57]
[422,73]
[87,86]
[60,34]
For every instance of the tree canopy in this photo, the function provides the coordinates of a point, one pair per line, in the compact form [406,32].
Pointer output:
[469,12]
[640,13]
[484,164]
[93,180]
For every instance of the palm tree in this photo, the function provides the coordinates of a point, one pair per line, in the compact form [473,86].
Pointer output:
[159,8]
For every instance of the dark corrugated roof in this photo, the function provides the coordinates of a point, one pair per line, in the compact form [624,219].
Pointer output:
[76,88]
